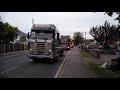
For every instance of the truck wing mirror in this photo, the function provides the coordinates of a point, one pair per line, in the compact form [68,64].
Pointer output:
[28,35]
[58,35]
[53,36]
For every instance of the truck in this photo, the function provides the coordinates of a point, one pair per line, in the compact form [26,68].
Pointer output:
[44,43]
[66,42]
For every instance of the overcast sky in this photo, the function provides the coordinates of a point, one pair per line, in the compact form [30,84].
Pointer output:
[66,22]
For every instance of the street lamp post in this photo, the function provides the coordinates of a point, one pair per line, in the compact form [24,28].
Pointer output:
[85,35]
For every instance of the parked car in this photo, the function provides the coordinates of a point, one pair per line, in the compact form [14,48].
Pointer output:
[113,46]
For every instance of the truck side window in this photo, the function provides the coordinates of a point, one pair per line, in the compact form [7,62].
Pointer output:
[53,36]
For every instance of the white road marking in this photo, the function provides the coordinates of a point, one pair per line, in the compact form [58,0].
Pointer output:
[56,75]
[9,70]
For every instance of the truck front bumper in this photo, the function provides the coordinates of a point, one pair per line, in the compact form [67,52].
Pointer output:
[40,56]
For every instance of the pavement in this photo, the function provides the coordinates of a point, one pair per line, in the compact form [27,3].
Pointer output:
[12,54]
[74,66]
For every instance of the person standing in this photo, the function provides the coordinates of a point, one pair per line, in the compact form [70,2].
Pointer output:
[82,46]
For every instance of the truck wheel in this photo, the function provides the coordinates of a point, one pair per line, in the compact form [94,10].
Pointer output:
[55,60]
[36,60]
[61,54]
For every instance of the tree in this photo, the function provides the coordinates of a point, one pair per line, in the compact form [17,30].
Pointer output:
[111,14]
[78,37]
[23,39]
[7,32]
[105,34]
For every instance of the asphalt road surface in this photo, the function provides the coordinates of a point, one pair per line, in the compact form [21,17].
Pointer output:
[21,66]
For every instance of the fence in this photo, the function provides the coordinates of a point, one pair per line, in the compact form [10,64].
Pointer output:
[5,48]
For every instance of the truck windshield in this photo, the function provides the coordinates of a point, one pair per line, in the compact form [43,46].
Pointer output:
[65,40]
[41,35]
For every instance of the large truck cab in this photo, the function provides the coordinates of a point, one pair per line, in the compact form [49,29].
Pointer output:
[44,42]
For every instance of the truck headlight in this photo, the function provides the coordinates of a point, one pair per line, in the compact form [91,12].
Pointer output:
[50,52]
[30,49]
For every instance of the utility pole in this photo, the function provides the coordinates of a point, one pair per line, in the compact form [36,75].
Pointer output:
[85,35]
[32,21]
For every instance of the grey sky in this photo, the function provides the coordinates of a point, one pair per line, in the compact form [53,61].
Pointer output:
[66,22]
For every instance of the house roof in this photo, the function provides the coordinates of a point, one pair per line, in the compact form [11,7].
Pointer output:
[20,33]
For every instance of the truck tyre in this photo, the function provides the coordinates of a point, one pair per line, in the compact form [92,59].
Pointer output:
[61,54]
[55,60]
[35,60]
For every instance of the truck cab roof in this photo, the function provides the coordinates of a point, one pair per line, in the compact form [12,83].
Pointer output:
[44,27]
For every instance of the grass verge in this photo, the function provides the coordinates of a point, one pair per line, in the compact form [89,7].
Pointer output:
[85,54]
[100,72]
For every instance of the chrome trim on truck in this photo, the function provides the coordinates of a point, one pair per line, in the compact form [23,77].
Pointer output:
[40,56]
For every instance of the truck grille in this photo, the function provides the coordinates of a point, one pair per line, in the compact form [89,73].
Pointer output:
[42,48]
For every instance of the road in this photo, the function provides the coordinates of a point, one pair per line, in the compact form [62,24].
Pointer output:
[22,67]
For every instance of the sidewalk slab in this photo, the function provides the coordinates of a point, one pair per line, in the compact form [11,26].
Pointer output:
[12,54]
[75,67]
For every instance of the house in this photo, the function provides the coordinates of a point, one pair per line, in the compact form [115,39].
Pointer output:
[88,41]
[91,43]
[19,35]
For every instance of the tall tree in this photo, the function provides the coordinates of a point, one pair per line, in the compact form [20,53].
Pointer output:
[105,34]
[78,37]
[7,32]
[111,14]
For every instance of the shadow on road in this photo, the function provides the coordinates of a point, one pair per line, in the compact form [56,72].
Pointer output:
[46,61]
